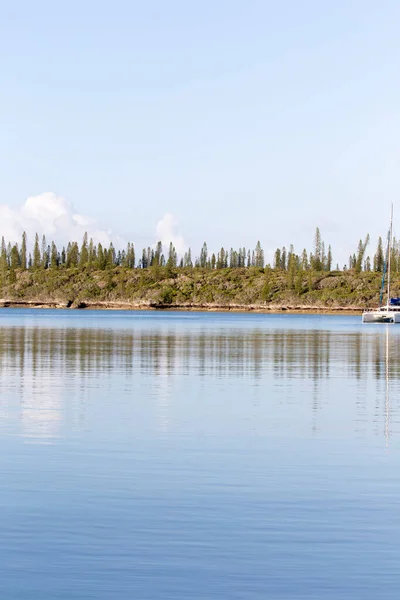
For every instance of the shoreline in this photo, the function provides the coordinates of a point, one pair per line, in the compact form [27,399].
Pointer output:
[188,307]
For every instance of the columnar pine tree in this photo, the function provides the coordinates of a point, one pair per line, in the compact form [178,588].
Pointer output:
[130,256]
[54,262]
[277,259]
[283,259]
[9,247]
[3,257]
[36,253]
[172,257]
[317,263]
[111,258]
[362,246]
[44,252]
[15,259]
[73,255]
[157,256]
[187,259]
[291,269]
[203,256]
[259,256]
[100,257]
[91,252]
[379,258]
[84,254]
[144,259]
[304,260]
[329,259]
[23,251]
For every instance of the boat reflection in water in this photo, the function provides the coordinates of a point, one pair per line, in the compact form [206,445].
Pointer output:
[387,399]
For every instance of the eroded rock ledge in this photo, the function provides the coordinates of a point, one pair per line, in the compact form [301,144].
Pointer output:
[124,305]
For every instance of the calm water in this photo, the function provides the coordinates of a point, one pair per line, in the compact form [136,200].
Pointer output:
[198,456]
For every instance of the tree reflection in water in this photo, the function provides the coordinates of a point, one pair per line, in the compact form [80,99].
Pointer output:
[40,359]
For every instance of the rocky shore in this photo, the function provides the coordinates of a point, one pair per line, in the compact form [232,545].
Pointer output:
[210,307]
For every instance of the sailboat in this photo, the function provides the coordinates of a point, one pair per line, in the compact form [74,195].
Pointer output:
[389,313]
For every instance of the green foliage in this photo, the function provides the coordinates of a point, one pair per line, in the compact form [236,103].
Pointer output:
[167,295]
[299,283]
[266,289]
[15,259]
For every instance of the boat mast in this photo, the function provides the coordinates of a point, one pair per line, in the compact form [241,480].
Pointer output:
[389,253]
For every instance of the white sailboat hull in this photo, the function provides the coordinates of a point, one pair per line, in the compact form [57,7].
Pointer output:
[381,316]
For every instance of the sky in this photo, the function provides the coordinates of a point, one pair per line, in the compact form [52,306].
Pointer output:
[221,121]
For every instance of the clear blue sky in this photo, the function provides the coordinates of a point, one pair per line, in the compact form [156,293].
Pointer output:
[246,120]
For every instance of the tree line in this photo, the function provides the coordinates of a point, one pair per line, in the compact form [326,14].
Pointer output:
[46,255]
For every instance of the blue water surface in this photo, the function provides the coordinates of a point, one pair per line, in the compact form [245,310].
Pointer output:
[154,455]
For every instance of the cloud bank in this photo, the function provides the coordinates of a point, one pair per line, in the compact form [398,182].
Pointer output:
[52,216]
[167,231]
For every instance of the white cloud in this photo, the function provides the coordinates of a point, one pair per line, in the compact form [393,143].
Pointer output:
[55,217]
[167,231]
[52,216]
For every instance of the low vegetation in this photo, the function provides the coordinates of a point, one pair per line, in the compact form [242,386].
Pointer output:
[253,287]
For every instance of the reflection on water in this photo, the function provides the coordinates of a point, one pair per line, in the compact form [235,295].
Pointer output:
[387,398]
[291,354]
[49,369]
